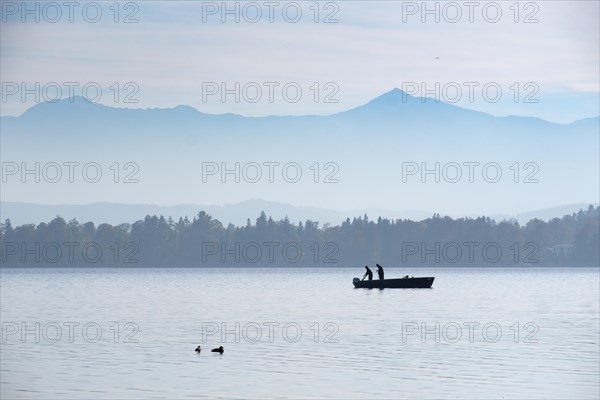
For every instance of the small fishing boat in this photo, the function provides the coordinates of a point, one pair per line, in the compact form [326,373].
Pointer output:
[400,283]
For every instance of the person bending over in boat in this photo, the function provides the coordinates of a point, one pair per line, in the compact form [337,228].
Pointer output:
[369,273]
[380,271]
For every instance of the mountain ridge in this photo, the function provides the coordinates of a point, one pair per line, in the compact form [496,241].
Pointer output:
[391,99]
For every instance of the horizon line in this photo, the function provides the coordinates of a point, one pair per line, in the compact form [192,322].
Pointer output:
[202,208]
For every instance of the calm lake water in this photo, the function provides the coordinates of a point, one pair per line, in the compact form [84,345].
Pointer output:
[302,333]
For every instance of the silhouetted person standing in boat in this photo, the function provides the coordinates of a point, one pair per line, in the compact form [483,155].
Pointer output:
[380,271]
[369,273]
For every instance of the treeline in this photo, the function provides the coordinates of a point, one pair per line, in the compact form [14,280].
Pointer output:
[572,240]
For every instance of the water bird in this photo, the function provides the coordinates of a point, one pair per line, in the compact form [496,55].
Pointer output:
[198,350]
[219,350]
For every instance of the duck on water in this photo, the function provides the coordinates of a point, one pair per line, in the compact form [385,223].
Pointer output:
[217,350]
[400,283]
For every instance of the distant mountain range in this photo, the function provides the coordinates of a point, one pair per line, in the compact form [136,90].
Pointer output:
[237,214]
[369,144]
[392,107]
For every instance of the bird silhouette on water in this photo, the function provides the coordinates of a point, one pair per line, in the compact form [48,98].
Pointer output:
[218,350]
[198,350]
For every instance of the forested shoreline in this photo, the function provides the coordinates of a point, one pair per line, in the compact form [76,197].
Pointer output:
[156,241]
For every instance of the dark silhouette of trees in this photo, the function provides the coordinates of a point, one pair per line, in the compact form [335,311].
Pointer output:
[156,241]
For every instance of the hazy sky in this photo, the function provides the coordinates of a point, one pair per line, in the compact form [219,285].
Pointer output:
[182,53]
[534,58]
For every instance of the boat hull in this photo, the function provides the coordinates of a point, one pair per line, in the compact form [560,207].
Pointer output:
[401,283]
